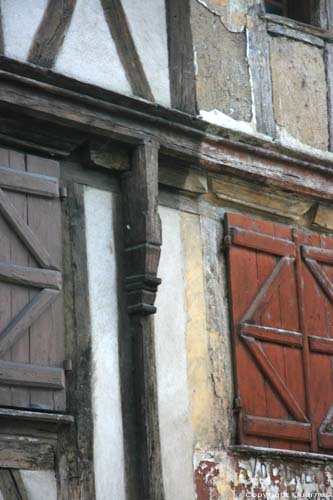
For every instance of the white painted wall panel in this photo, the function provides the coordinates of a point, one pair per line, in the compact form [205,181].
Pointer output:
[147,20]
[102,277]
[89,53]
[21,19]
[40,485]
[170,335]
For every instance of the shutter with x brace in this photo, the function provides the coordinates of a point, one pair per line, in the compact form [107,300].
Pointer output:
[31,307]
[271,361]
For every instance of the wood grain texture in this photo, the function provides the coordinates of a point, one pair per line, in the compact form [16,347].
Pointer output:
[8,486]
[265,243]
[29,276]
[29,314]
[16,475]
[181,57]
[22,452]
[2,45]
[19,181]
[142,229]
[75,447]
[268,427]
[274,378]
[285,321]
[117,22]
[259,62]
[51,32]
[24,232]
[28,375]
[52,98]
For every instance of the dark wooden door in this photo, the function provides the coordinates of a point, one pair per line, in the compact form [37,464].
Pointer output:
[31,307]
[281,292]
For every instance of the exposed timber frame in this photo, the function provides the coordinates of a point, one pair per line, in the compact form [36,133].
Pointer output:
[142,228]
[116,19]
[74,459]
[2,45]
[181,57]
[260,71]
[51,32]
[327,22]
[55,105]
[66,115]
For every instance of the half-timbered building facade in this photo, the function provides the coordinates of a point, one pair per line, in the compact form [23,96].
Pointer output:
[166,249]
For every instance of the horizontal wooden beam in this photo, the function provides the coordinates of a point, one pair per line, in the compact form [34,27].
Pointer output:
[26,375]
[319,254]
[35,184]
[30,276]
[262,242]
[321,345]
[86,109]
[25,452]
[275,335]
[276,428]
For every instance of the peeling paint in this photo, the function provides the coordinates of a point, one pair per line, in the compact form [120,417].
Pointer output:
[224,476]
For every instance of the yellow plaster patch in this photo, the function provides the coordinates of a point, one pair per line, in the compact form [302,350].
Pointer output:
[201,393]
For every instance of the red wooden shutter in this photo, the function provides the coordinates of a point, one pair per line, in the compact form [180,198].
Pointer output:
[281,293]
[31,308]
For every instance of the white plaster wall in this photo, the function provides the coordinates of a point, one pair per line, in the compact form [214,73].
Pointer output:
[21,19]
[170,335]
[147,20]
[102,278]
[40,485]
[89,53]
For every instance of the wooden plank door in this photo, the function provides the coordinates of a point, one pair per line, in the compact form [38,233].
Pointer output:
[31,304]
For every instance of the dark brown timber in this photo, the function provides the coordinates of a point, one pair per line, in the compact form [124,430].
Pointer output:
[120,31]
[2,45]
[51,32]
[142,252]
[181,56]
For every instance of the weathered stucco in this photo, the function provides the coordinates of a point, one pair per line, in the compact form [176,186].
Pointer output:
[105,379]
[224,476]
[40,485]
[171,363]
[299,90]
[222,72]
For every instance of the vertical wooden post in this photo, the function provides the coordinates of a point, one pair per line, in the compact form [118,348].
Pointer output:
[260,70]
[142,252]
[326,22]
[181,56]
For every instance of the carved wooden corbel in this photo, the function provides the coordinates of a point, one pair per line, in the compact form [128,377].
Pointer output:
[142,227]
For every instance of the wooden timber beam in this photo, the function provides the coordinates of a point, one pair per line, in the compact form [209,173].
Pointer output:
[51,32]
[85,110]
[142,229]
[181,56]
[120,31]
[2,45]
[12,486]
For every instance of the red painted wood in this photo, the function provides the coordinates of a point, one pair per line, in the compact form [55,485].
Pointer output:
[287,430]
[282,324]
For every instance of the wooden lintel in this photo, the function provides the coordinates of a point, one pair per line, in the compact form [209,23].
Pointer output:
[85,109]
